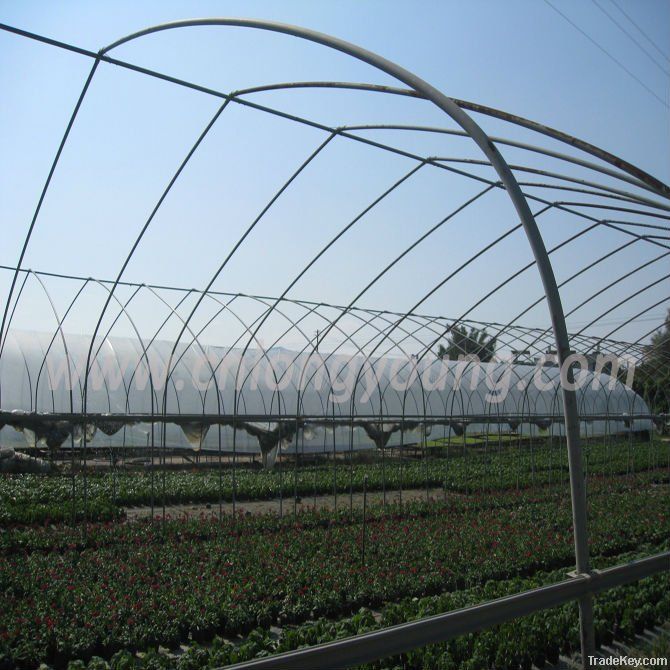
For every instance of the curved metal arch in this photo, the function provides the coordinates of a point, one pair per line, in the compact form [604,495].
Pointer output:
[414,360]
[155,335]
[365,323]
[246,330]
[426,296]
[516,332]
[651,182]
[331,324]
[38,208]
[346,228]
[625,210]
[275,197]
[352,303]
[223,308]
[381,391]
[632,318]
[314,309]
[371,314]
[532,170]
[604,222]
[529,265]
[27,368]
[621,302]
[595,295]
[14,308]
[379,331]
[585,191]
[627,172]
[417,86]
[123,312]
[252,336]
[348,337]
[523,383]
[164,195]
[59,329]
[447,329]
[105,338]
[2,341]
[451,275]
[196,340]
[642,349]
[247,327]
[531,148]
[309,341]
[83,284]
[123,309]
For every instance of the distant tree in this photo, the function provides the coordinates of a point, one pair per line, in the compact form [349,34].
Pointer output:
[595,363]
[461,342]
[652,375]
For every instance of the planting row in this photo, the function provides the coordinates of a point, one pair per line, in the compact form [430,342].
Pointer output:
[619,613]
[61,537]
[178,581]
[26,498]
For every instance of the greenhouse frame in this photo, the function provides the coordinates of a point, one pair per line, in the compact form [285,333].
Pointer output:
[360,380]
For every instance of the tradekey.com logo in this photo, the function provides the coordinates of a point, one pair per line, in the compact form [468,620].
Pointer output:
[338,378]
[627,662]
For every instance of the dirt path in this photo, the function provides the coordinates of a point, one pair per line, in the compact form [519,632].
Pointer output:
[286,506]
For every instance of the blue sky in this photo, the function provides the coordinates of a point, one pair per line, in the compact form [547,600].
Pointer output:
[133,131]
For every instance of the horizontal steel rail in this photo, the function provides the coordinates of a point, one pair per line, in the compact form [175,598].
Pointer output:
[401,638]
[78,418]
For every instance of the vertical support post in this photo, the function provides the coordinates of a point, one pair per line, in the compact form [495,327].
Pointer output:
[334,463]
[220,469]
[400,453]
[578,494]
[351,469]
[296,499]
[234,468]
[150,444]
[365,513]
[383,474]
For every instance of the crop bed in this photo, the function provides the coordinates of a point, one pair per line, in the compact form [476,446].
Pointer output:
[70,594]
[532,640]
[37,498]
